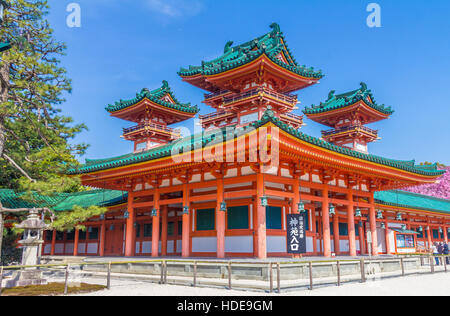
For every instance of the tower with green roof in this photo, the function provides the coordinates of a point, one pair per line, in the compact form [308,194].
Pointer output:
[250,78]
[153,112]
[347,114]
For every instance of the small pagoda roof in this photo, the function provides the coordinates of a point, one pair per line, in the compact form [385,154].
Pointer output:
[272,44]
[190,142]
[346,100]
[156,96]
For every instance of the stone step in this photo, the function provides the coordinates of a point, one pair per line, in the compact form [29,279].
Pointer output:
[62,260]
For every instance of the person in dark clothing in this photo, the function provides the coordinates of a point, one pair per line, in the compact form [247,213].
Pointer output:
[446,252]
[441,252]
[440,248]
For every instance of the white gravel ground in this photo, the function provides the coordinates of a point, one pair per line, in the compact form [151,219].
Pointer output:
[424,285]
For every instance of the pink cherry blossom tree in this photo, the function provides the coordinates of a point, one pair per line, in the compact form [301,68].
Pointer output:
[440,189]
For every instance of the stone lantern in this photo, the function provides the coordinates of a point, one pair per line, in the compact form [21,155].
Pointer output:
[32,240]
[31,243]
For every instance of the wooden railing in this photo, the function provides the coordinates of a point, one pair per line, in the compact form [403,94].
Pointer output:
[350,128]
[216,94]
[167,271]
[293,116]
[292,99]
[151,126]
[213,115]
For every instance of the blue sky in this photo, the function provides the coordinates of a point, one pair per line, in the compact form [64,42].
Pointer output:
[123,46]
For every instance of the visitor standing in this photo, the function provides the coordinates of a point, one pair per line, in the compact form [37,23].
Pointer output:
[435,252]
[441,252]
[446,253]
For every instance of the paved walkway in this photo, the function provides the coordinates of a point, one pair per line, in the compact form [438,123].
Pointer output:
[425,285]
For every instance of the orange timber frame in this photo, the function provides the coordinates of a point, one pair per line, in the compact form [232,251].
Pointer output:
[316,176]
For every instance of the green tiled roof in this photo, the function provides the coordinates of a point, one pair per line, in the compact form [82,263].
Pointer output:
[63,201]
[339,101]
[156,97]
[404,231]
[271,44]
[399,164]
[13,199]
[152,154]
[106,198]
[413,200]
[102,198]
[195,142]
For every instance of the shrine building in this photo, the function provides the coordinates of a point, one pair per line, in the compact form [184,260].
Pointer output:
[226,192]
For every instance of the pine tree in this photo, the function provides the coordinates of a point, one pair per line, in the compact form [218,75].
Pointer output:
[34,137]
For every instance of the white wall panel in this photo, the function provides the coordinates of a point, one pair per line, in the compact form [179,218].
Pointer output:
[147,247]
[47,249]
[309,244]
[92,248]
[170,245]
[381,236]
[344,245]
[276,244]
[138,247]
[239,244]
[81,248]
[204,244]
[69,248]
[59,249]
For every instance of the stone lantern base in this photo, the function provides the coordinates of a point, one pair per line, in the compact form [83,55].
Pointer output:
[24,278]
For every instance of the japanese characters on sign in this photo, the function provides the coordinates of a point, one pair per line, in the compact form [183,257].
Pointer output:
[296,233]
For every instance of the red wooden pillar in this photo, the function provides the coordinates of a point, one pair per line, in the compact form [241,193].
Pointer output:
[373,225]
[326,223]
[388,242]
[130,244]
[102,239]
[430,242]
[314,229]
[155,226]
[186,235]
[296,199]
[336,237]
[220,220]
[445,234]
[362,241]
[261,232]
[52,252]
[76,241]
[164,217]
[351,224]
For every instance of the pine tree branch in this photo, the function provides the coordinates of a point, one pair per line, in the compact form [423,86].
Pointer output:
[12,162]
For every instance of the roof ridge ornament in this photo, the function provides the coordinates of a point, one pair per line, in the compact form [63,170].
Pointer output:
[269,112]
[228,46]
[363,86]
[331,95]
[275,28]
